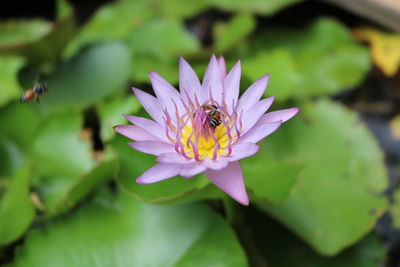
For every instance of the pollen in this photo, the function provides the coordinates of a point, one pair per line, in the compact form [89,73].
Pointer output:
[205,146]
[204,131]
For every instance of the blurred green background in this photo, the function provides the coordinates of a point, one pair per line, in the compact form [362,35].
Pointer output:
[323,189]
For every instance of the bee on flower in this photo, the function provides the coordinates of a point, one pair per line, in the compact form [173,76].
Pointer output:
[203,127]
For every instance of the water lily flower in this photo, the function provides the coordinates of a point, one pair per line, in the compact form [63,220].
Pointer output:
[203,127]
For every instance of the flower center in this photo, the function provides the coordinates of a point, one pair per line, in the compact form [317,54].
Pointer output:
[204,131]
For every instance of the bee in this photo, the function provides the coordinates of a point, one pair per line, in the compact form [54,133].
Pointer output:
[34,93]
[213,115]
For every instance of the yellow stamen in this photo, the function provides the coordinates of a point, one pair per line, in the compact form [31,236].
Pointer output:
[206,144]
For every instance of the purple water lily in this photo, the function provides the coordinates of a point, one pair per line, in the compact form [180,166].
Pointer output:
[204,127]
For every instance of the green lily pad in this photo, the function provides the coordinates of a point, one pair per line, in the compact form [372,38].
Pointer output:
[274,244]
[111,22]
[38,40]
[254,6]
[90,76]
[12,157]
[68,171]
[125,232]
[175,190]
[284,76]
[227,35]
[103,171]
[337,197]
[60,149]
[395,209]
[16,209]
[13,116]
[159,43]
[9,87]
[323,59]
[14,33]
[110,114]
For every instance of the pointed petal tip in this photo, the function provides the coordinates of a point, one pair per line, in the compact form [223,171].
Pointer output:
[139,181]
[245,201]
[115,128]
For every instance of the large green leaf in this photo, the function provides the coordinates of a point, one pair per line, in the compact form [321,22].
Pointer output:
[284,77]
[9,87]
[125,232]
[110,114]
[395,209]
[103,171]
[323,59]
[16,209]
[274,244]
[113,21]
[14,33]
[133,163]
[68,171]
[37,39]
[227,35]
[88,77]
[156,46]
[337,197]
[11,155]
[255,6]
[19,122]
[58,147]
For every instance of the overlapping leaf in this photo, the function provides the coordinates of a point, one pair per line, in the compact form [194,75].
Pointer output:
[120,233]
[16,209]
[337,197]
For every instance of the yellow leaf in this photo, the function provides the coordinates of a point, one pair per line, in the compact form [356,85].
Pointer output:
[385,48]
[395,127]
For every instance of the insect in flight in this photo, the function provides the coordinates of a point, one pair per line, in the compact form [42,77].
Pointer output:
[34,93]
[213,115]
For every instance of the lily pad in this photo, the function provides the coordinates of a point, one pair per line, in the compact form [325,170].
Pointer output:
[111,22]
[90,76]
[120,232]
[37,39]
[13,116]
[323,59]
[110,114]
[12,157]
[16,209]
[337,197]
[175,190]
[273,243]
[227,35]
[255,6]
[160,43]
[9,87]
[68,171]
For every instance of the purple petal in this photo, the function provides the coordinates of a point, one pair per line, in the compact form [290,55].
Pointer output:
[150,104]
[218,164]
[212,81]
[191,170]
[260,131]
[279,115]
[243,150]
[173,157]
[230,180]
[222,67]
[188,80]
[152,147]
[134,132]
[150,126]
[232,86]
[158,172]
[166,94]
[253,114]
[253,94]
